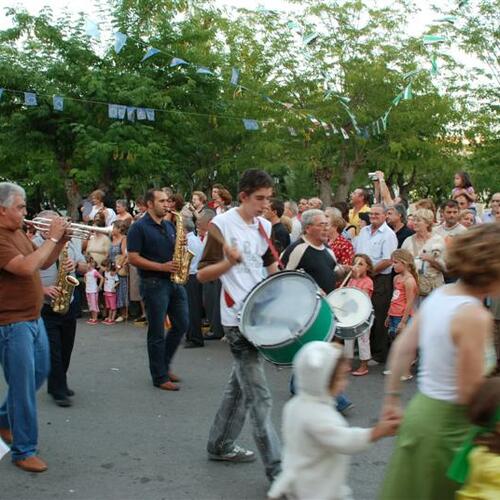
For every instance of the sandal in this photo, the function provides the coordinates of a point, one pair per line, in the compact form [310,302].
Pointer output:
[360,373]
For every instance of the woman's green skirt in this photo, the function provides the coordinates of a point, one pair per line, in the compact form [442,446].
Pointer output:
[430,434]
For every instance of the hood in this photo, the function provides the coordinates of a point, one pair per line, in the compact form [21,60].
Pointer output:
[313,366]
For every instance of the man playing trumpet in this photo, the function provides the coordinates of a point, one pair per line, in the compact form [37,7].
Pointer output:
[24,350]
[60,323]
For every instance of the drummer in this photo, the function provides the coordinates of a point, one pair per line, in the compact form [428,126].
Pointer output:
[237,251]
[312,254]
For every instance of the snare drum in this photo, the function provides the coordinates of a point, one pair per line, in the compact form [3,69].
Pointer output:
[284,312]
[353,310]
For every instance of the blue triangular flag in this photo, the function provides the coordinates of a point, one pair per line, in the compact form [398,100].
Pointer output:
[30,99]
[122,110]
[293,25]
[141,113]
[235,76]
[150,53]
[150,114]
[130,114]
[250,124]
[58,103]
[120,41]
[310,38]
[92,29]
[202,70]
[177,61]
[112,111]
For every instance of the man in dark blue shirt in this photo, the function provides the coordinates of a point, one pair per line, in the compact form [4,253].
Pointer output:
[150,245]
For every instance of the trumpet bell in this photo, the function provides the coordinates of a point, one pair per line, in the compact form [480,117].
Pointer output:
[79,231]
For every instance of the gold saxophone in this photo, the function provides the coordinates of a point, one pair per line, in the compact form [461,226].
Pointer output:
[66,284]
[182,255]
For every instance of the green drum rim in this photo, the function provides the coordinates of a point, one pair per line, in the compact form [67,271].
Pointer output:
[324,322]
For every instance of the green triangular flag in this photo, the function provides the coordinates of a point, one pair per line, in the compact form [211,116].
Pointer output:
[434,66]
[407,95]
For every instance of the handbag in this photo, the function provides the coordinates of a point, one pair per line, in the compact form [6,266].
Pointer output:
[426,282]
[121,265]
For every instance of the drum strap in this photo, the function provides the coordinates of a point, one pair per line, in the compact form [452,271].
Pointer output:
[275,253]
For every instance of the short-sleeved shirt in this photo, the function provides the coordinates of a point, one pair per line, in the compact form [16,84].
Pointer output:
[402,234]
[241,278]
[449,232]
[152,241]
[280,237]
[318,262]
[354,216]
[343,250]
[378,245]
[21,297]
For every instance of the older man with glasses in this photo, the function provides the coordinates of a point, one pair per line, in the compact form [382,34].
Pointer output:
[378,241]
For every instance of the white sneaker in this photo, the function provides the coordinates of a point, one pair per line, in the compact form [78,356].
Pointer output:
[405,378]
[372,362]
[119,319]
[387,372]
[237,454]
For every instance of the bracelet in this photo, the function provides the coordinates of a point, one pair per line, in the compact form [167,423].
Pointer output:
[54,240]
[393,393]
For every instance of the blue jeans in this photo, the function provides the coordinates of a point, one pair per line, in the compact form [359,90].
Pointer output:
[162,297]
[24,356]
[246,392]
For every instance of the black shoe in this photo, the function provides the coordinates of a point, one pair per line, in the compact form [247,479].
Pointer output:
[70,392]
[63,402]
[212,336]
[192,345]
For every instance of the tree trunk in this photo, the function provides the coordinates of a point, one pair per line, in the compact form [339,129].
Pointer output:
[324,180]
[348,169]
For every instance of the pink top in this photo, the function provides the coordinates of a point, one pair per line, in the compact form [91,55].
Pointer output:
[365,284]
[399,299]
[456,191]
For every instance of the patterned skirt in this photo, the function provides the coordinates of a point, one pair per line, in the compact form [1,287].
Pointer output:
[122,292]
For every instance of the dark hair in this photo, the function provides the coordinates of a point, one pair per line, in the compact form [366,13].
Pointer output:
[365,217]
[100,219]
[401,210]
[225,196]
[112,266]
[485,401]
[344,209]
[365,193]
[150,195]
[252,180]
[121,225]
[218,186]
[140,200]
[178,199]
[450,204]
[369,263]
[466,182]
[277,206]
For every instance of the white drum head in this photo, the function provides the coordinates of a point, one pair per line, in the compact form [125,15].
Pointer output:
[278,308]
[350,306]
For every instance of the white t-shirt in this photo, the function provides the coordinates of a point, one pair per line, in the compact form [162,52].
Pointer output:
[91,277]
[110,281]
[241,278]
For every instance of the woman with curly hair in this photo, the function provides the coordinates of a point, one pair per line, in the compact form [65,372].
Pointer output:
[453,333]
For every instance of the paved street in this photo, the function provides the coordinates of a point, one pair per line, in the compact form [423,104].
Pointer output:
[125,439]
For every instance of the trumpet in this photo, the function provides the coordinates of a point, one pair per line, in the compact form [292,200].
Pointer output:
[80,231]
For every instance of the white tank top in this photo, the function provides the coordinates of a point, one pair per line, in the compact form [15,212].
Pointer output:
[438,353]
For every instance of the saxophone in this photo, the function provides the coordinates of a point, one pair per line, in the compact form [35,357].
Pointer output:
[66,284]
[182,255]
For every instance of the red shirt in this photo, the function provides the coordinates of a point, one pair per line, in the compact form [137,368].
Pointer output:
[343,250]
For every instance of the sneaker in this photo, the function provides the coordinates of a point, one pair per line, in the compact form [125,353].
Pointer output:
[387,372]
[345,408]
[140,320]
[405,378]
[373,362]
[119,319]
[237,454]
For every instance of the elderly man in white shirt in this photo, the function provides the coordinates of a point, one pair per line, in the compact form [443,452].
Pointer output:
[378,241]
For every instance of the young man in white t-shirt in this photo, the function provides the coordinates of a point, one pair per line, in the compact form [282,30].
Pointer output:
[237,252]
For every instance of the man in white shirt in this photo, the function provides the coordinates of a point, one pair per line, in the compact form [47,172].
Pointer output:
[494,203]
[378,241]
[238,253]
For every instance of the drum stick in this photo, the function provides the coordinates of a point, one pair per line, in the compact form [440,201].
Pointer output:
[217,236]
[346,279]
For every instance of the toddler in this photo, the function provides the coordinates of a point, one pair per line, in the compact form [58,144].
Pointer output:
[92,287]
[111,282]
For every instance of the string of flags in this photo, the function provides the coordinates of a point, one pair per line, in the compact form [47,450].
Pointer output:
[132,113]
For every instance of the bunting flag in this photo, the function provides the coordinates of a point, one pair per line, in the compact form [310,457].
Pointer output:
[112,111]
[462,3]
[432,39]
[1,93]
[92,29]
[150,53]
[407,93]
[411,74]
[30,99]
[130,113]
[121,111]
[447,19]
[176,61]
[434,66]
[345,135]
[58,103]
[310,38]
[334,128]
[235,76]
[141,113]
[293,25]
[150,114]
[202,70]
[250,124]
[120,41]
[397,99]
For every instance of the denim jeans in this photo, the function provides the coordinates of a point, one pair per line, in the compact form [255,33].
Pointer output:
[246,392]
[24,356]
[162,297]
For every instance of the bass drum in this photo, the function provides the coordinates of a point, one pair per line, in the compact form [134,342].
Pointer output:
[284,312]
[353,310]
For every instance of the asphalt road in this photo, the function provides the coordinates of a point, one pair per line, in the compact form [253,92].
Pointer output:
[125,439]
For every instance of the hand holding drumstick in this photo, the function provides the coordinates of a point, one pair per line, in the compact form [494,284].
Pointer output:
[232,253]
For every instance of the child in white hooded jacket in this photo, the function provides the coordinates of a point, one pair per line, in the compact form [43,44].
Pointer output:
[317,439]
